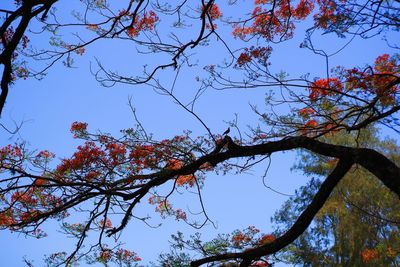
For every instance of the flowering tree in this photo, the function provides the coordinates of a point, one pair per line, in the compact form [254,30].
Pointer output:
[108,177]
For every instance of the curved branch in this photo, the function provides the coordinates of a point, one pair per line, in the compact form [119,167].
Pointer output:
[298,227]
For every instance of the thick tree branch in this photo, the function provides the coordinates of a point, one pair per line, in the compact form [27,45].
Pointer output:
[298,227]
[27,12]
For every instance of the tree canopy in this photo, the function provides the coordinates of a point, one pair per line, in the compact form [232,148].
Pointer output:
[108,177]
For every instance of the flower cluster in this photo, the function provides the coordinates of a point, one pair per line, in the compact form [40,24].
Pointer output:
[10,152]
[214,12]
[376,81]
[181,180]
[106,223]
[241,239]
[165,208]
[88,155]
[79,129]
[369,255]
[142,23]
[119,256]
[346,90]
[325,87]
[306,112]
[279,23]
[260,54]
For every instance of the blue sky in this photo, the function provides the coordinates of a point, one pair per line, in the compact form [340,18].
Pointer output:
[49,106]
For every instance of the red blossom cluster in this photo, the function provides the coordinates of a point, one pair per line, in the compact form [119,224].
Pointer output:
[310,127]
[116,152]
[92,27]
[328,14]
[10,151]
[101,153]
[264,25]
[8,35]
[106,223]
[145,156]
[25,206]
[99,161]
[325,87]
[260,54]
[306,112]
[377,80]
[79,129]
[260,264]
[165,208]
[74,227]
[7,218]
[303,9]
[162,205]
[189,179]
[27,198]
[180,215]
[142,23]
[250,238]
[125,255]
[277,18]
[120,256]
[373,83]
[244,238]
[269,23]
[239,238]
[213,11]
[78,49]
[105,255]
[40,182]
[265,239]
[369,255]
[259,137]
[87,156]
[45,154]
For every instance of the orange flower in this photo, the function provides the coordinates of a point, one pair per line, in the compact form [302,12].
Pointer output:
[186,179]
[40,181]
[6,218]
[174,164]
[106,224]
[105,255]
[325,87]
[214,12]
[145,23]
[306,112]
[369,255]
[265,239]
[311,124]
[78,126]
[92,26]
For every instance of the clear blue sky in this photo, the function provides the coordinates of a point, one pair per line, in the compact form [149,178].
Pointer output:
[49,106]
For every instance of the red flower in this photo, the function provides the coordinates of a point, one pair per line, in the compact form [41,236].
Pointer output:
[267,239]
[311,124]
[186,179]
[214,12]
[78,128]
[306,112]
[325,87]
[369,255]
[106,224]
[145,23]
